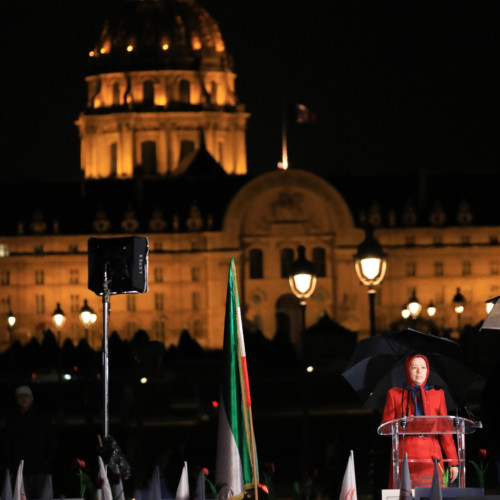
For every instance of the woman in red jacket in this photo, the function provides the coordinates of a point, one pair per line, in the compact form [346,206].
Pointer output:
[417,398]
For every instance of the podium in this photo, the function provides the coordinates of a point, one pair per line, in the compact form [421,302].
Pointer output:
[425,425]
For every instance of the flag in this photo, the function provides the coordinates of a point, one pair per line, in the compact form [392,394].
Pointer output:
[7,486]
[155,487]
[19,493]
[117,484]
[304,115]
[200,485]
[348,491]
[436,493]
[405,481]
[236,464]
[183,487]
[104,489]
[47,492]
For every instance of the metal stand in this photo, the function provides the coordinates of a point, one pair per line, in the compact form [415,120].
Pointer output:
[105,353]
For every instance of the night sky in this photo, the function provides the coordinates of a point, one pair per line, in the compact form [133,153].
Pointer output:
[396,86]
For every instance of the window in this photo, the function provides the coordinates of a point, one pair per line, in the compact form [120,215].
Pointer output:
[195,274]
[5,304]
[319,262]
[113,158]
[39,277]
[148,90]
[198,330]
[4,250]
[74,303]
[213,93]
[494,267]
[5,277]
[466,268]
[131,303]
[184,92]
[438,269]
[286,261]
[256,271]
[158,274]
[159,330]
[40,304]
[159,301]
[116,94]
[411,269]
[148,154]
[73,276]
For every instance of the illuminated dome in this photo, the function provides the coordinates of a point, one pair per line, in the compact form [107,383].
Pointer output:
[157,35]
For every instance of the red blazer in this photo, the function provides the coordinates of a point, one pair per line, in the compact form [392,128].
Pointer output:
[417,447]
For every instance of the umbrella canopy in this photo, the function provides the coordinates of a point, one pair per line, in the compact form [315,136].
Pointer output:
[378,363]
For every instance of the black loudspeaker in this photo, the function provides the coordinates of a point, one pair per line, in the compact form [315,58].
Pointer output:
[124,261]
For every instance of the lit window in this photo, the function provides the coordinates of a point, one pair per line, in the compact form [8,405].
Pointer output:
[4,250]
[196,43]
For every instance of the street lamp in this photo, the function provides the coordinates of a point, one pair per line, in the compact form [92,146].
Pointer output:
[431,309]
[302,279]
[459,306]
[58,318]
[414,306]
[371,264]
[11,321]
[405,312]
[87,318]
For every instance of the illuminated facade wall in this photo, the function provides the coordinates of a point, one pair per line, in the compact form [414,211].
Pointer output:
[269,217]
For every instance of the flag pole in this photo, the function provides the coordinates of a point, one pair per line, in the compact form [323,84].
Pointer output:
[245,383]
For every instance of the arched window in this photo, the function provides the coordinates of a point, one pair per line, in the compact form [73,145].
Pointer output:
[286,261]
[148,155]
[256,263]
[113,158]
[184,92]
[319,262]
[116,94]
[148,90]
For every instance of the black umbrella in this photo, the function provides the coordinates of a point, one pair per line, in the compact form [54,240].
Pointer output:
[378,363]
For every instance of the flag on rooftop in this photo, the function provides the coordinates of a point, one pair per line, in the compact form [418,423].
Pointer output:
[236,465]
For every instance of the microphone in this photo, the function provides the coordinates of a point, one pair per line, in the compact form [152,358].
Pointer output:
[404,421]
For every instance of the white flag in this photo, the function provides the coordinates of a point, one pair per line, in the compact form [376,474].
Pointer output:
[117,485]
[104,492]
[7,487]
[183,487]
[47,493]
[19,493]
[405,481]
[155,487]
[200,486]
[348,491]
[436,493]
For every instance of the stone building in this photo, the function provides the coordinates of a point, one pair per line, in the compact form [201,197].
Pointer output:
[163,155]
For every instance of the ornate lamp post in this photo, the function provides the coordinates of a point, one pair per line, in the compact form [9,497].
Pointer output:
[371,264]
[459,306]
[414,306]
[59,319]
[87,318]
[431,309]
[302,279]
[11,321]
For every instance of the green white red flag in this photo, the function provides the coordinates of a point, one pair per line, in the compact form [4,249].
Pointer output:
[236,465]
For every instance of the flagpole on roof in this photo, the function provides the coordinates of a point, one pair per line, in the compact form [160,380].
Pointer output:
[283,164]
[245,387]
